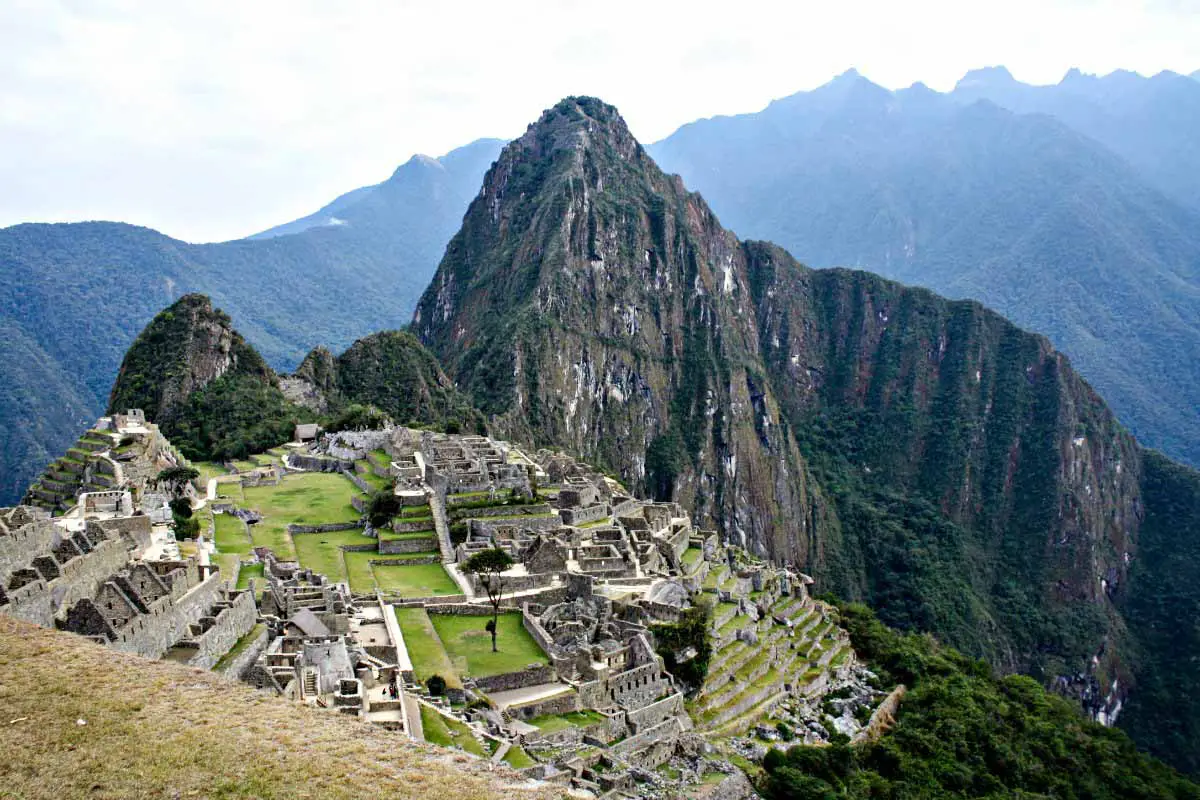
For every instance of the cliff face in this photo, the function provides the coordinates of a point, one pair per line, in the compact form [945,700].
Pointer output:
[924,455]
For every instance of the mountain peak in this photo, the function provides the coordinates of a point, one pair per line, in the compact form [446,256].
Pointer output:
[574,123]
[986,77]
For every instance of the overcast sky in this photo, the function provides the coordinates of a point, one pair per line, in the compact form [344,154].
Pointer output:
[212,120]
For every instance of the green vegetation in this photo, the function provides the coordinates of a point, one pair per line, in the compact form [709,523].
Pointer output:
[240,646]
[549,723]
[247,572]
[692,631]
[517,758]
[314,498]
[962,732]
[424,647]
[383,506]
[365,578]
[322,552]
[414,580]
[468,644]
[490,565]
[449,732]
[1162,607]
[168,374]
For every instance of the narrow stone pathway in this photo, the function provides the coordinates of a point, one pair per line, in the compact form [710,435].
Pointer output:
[501,752]
[412,716]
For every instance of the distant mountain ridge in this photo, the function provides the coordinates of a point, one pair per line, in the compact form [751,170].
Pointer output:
[74,296]
[1020,211]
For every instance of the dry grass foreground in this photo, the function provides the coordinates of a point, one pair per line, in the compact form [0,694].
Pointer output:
[153,729]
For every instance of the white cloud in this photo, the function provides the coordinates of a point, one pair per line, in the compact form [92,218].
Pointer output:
[215,119]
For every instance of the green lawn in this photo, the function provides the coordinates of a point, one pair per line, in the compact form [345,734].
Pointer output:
[446,732]
[247,572]
[470,646]
[549,723]
[362,575]
[424,649]
[239,647]
[208,470]
[230,534]
[314,498]
[322,552]
[691,557]
[415,580]
[517,758]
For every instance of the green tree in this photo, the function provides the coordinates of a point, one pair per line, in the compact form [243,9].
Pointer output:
[490,566]
[383,506]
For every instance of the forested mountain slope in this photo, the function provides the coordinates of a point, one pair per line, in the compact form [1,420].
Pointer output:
[1033,218]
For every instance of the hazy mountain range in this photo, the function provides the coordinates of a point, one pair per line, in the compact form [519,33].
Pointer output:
[1073,221]
[73,297]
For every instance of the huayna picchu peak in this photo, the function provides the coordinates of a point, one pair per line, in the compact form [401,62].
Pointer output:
[924,455]
[633,508]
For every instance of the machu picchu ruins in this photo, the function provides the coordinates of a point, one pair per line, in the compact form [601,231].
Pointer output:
[378,615]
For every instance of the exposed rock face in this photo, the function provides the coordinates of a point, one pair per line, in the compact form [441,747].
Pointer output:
[183,349]
[925,455]
[313,382]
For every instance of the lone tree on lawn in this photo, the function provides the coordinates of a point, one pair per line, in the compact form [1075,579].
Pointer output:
[489,564]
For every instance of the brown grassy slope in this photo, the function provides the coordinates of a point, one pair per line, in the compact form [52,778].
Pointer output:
[159,730]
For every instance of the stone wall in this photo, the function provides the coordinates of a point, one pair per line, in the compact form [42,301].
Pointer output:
[18,547]
[531,675]
[651,747]
[882,718]
[736,786]
[40,601]
[559,704]
[540,509]
[135,531]
[318,463]
[329,527]
[152,634]
[228,626]
[401,546]
[362,485]
[241,665]
[485,528]
[652,714]
[581,516]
